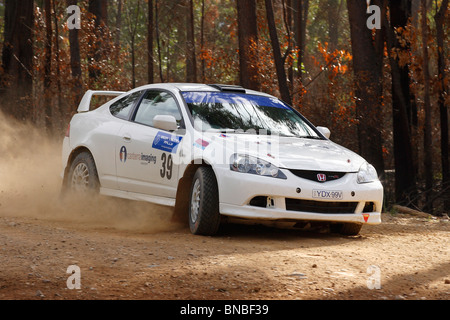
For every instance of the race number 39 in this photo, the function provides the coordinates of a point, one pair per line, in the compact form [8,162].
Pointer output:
[167,166]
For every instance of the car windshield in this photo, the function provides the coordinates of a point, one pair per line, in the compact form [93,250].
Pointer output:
[236,112]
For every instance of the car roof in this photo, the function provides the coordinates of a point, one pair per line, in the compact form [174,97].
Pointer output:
[195,87]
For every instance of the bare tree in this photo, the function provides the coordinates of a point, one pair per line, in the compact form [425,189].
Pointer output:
[443,88]
[48,66]
[279,62]
[118,31]
[428,141]
[287,17]
[61,107]
[248,41]
[99,10]
[150,28]
[301,7]
[75,60]
[158,42]
[17,58]
[402,108]
[334,12]
[191,59]
[367,66]
[132,22]
[202,41]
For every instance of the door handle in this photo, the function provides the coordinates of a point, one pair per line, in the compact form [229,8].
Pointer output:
[127,138]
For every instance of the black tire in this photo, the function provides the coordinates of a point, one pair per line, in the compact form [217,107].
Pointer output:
[348,229]
[83,176]
[204,216]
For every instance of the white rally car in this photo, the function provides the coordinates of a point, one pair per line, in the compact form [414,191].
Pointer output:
[215,152]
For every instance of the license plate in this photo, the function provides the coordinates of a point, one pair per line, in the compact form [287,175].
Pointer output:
[326,194]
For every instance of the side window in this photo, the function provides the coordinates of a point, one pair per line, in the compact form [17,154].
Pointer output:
[157,103]
[121,109]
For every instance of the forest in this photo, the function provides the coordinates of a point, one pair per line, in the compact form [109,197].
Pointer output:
[375,72]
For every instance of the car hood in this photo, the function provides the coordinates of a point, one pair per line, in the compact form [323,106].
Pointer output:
[290,153]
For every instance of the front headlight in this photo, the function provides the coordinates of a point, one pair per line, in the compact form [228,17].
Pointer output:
[367,173]
[248,164]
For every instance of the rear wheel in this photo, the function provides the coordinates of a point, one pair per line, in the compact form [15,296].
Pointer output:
[204,216]
[83,177]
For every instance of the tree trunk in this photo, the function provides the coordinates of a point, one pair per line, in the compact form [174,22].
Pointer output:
[281,72]
[404,159]
[367,65]
[191,60]
[288,12]
[443,88]
[428,141]
[61,107]
[75,64]
[17,59]
[158,42]
[99,9]
[132,26]
[202,42]
[333,24]
[248,44]
[150,28]
[133,64]
[300,23]
[48,67]
[119,28]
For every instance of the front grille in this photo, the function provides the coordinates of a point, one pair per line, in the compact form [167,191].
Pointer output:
[318,176]
[320,206]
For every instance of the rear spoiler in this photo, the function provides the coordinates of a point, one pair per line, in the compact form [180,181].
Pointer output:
[85,104]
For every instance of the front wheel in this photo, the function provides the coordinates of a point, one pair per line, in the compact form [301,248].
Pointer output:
[204,216]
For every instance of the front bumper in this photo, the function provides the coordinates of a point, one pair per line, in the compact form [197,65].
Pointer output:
[237,192]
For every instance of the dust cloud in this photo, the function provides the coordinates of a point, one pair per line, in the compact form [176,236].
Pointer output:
[30,185]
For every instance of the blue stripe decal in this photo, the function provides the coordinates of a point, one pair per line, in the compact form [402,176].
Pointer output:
[166,142]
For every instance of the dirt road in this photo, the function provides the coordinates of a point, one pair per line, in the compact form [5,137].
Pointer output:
[410,255]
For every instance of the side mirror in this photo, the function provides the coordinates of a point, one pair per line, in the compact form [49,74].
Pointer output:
[165,122]
[325,131]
